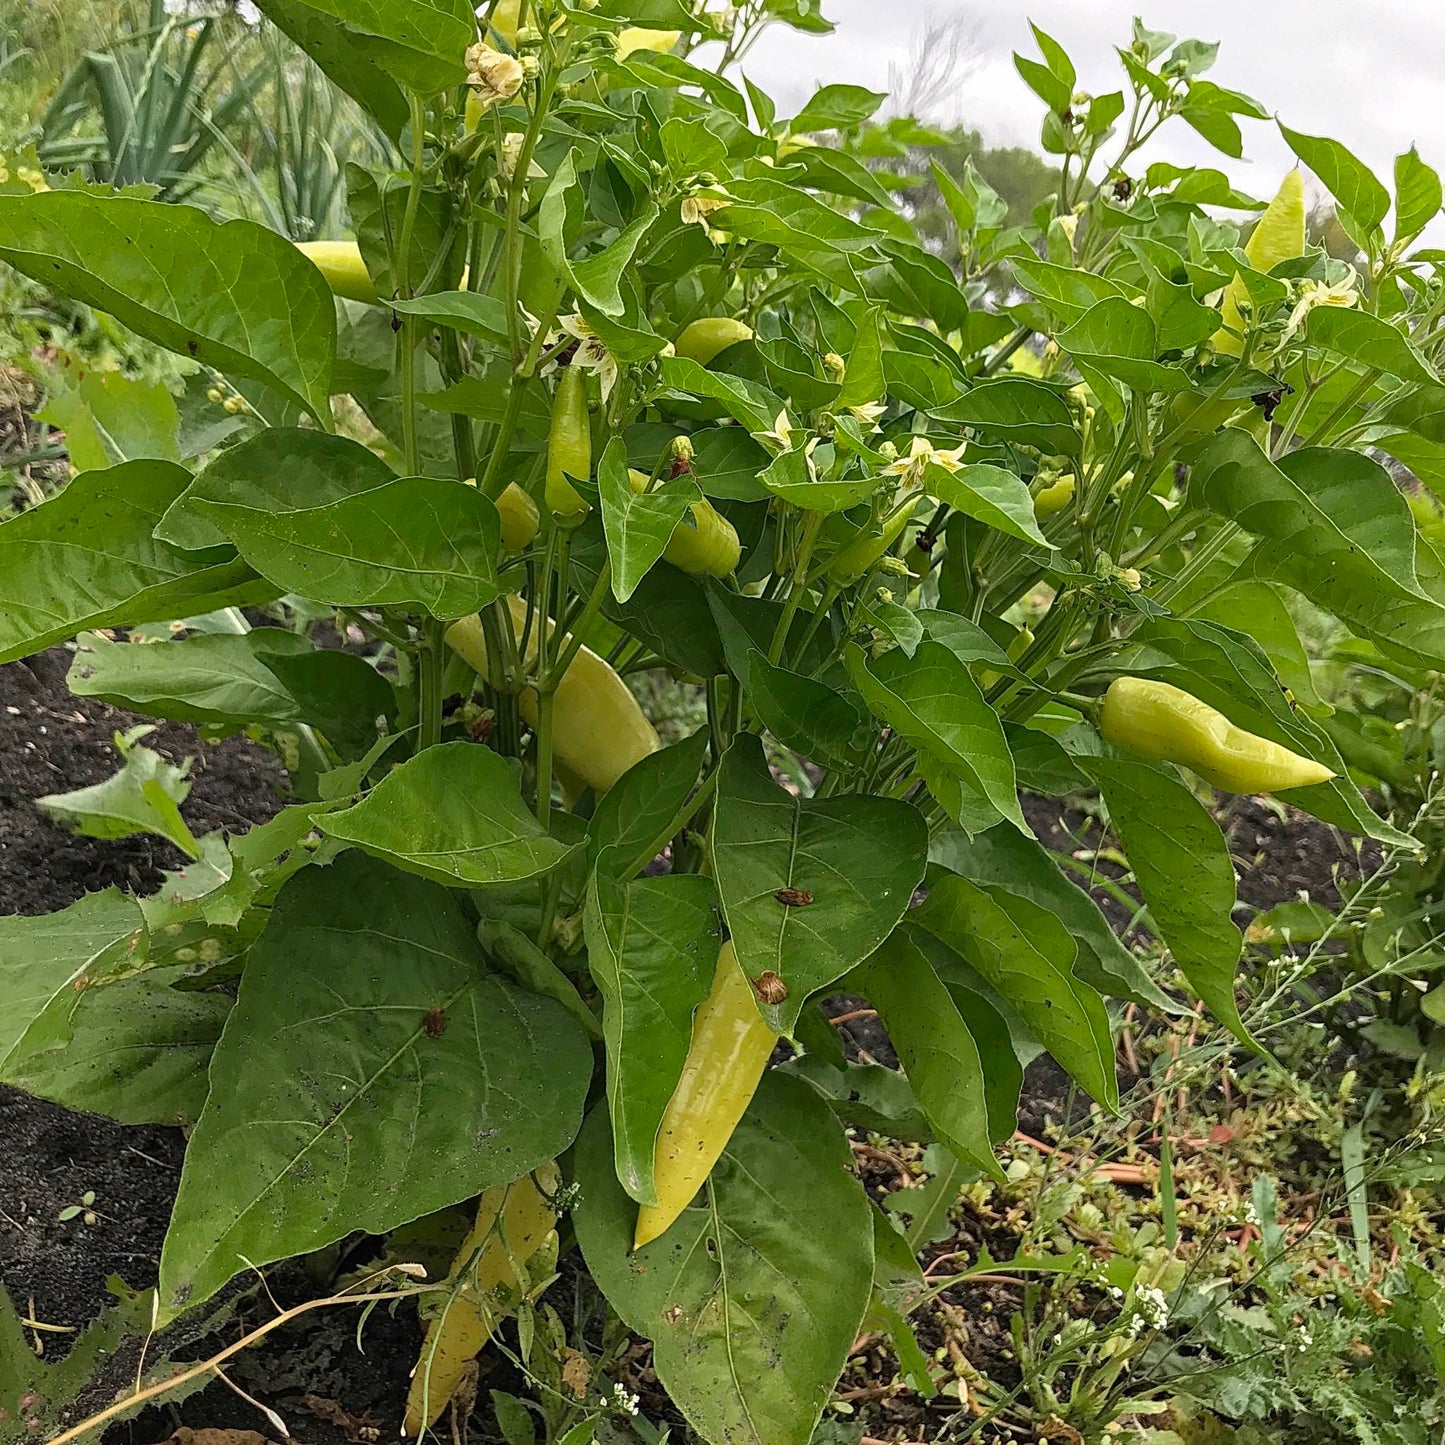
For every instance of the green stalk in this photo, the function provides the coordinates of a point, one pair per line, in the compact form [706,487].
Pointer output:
[811,524]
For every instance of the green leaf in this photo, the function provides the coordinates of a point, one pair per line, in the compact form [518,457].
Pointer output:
[1333,526]
[815,720]
[859,857]
[415,542]
[471,312]
[1027,954]
[109,417]
[232,295]
[1182,865]
[1121,340]
[836,107]
[753,1298]
[453,814]
[638,525]
[43,959]
[1013,408]
[333,1108]
[754,406]
[1347,179]
[143,797]
[228,681]
[996,497]
[135,1050]
[652,947]
[1369,340]
[421,46]
[1065,290]
[1258,609]
[935,1047]
[1417,194]
[1005,857]
[344,57]
[934,702]
[632,813]
[86,558]
[792,477]
[279,469]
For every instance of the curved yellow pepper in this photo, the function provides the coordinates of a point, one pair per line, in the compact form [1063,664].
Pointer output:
[340,262]
[637,37]
[513,1224]
[1278,235]
[709,548]
[521,518]
[1157,720]
[1054,497]
[730,1049]
[710,337]
[598,728]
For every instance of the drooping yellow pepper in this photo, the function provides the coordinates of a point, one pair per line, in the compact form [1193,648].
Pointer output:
[1278,235]
[1157,720]
[520,518]
[340,262]
[598,728]
[708,548]
[708,338]
[513,1224]
[1054,497]
[729,1051]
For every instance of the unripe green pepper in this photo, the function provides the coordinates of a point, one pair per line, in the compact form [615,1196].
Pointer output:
[1157,720]
[569,448]
[710,337]
[709,548]
[725,1061]
[860,555]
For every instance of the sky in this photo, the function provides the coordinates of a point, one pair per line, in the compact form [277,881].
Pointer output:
[1370,74]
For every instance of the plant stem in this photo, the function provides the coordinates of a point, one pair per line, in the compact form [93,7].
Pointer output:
[680,820]
[811,523]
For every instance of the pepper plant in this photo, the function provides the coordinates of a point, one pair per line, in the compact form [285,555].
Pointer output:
[652,380]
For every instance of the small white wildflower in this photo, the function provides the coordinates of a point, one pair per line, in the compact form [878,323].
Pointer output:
[1152,1308]
[623,1400]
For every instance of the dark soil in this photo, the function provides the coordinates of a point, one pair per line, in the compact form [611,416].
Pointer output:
[313,1374]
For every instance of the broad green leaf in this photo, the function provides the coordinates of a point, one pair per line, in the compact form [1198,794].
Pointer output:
[43,959]
[1013,408]
[1004,857]
[135,1050]
[770,211]
[1417,194]
[754,406]
[652,947]
[857,858]
[1067,291]
[413,542]
[143,797]
[792,477]
[817,721]
[109,417]
[226,681]
[421,45]
[1121,340]
[638,525]
[1182,865]
[1347,179]
[1369,340]
[334,1108]
[279,469]
[631,815]
[1258,609]
[836,107]
[935,1047]
[471,312]
[453,814]
[1334,527]
[86,558]
[996,497]
[934,702]
[753,1298]
[1027,953]
[231,295]
[344,57]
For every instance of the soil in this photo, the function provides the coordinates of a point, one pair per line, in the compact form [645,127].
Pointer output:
[324,1387]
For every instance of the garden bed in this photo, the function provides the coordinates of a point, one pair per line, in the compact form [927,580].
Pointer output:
[313,1373]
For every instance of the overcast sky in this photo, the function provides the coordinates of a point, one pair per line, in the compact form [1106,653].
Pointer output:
[1370,74]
